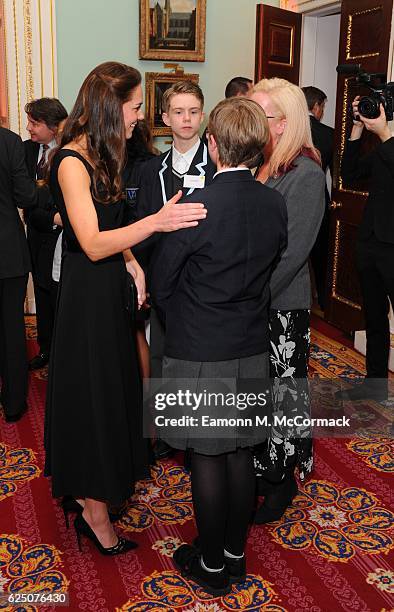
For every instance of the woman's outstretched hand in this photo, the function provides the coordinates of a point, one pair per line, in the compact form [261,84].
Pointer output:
[175,216]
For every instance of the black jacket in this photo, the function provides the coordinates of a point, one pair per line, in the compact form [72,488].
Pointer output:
[210,283]
[156,188]
[378,168]
[323,139]
[16,190]
[41,234]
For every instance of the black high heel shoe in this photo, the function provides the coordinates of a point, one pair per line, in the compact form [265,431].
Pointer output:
[83,528]
[70,505]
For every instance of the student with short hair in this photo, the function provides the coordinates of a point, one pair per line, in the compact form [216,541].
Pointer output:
[212,289]
[186,167]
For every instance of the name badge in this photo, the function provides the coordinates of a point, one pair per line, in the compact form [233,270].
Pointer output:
[194,182]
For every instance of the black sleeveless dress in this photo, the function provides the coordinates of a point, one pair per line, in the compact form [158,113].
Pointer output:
[93,426]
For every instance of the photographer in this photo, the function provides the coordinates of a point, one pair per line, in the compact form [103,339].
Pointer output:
[374,247]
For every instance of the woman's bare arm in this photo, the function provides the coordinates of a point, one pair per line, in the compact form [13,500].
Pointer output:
[74,182]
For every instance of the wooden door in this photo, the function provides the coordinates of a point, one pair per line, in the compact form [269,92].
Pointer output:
[364,39]
[3,72]
[278,43]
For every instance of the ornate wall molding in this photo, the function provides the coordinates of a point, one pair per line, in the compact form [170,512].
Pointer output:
[305,6]
[30,39]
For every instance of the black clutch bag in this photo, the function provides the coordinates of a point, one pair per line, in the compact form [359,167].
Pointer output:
[131,297]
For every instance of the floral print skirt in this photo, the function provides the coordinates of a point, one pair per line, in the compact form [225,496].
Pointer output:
[288,447]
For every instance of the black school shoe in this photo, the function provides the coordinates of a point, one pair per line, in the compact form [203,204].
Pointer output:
[366,390]
[236,567]
[277,501]
[16,416]
[187,560]
[162,450]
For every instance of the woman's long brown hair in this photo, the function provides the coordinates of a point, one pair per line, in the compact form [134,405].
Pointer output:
[98,115]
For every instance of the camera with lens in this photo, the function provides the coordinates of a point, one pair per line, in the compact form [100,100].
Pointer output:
[381,91]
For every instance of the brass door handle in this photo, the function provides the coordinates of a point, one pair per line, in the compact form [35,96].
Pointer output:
[335,205]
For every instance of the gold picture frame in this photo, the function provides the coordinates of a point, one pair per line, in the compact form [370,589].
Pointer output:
[155,85]
[169,35]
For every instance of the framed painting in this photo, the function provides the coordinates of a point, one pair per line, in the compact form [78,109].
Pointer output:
[172,30]
[156,84]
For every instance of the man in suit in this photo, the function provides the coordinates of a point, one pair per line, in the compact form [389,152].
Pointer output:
[17,189]
[374,246]
[238,87]
[323,139]
[43,118]
[186,167]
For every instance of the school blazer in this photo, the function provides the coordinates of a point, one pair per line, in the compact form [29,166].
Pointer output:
[156,186]
[210,283]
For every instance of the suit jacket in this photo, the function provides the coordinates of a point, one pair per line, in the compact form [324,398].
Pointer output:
[41,235]
[378,168]
[210,283]
[16,190]
[156,188]
[323,139]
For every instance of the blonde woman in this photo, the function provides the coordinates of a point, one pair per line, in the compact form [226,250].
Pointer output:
[292,167]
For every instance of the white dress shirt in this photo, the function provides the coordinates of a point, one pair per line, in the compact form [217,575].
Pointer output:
[181,162]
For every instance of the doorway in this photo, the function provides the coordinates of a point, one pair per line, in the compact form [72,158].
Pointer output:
[319,58]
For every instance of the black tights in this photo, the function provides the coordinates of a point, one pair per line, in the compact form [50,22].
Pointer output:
[223,488]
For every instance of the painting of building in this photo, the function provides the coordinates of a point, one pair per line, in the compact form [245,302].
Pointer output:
[172,29]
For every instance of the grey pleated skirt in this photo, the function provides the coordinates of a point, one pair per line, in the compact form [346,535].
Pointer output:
[253,369]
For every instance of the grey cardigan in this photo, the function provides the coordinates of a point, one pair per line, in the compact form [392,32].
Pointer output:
[303,190]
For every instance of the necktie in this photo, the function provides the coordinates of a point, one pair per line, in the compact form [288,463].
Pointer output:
[42,164]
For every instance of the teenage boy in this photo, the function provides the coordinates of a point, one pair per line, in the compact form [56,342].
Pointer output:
[187,167]
[211,285]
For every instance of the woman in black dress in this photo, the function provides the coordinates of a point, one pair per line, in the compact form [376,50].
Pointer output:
[93,434]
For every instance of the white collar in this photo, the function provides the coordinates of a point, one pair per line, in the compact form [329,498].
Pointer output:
[230,170]
[181,162]
[51,144]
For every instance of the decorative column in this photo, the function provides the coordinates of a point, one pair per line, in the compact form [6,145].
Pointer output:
[30,50]
[28,38]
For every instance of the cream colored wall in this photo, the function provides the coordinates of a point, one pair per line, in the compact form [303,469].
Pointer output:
[93,31]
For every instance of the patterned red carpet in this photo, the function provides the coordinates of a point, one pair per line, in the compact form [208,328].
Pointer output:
[333,550]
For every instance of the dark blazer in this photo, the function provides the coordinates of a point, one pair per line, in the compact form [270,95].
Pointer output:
[156,188]
[323,139]
[210,283]
[41,234]
[378,168]
[16,190]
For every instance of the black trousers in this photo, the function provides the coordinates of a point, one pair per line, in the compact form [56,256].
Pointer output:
[54,292]
[45,316]
[13,355]
[375,263]
[319,260]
